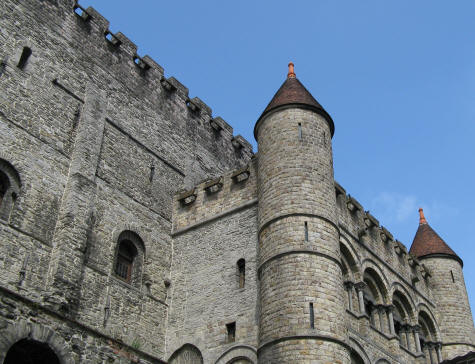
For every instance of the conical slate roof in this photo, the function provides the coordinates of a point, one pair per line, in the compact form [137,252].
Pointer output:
[293,93]
[428,242]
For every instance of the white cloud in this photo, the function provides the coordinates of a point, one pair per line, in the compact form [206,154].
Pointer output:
[393,207]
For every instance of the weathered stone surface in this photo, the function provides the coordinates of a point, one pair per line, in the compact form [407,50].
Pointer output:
[97,146]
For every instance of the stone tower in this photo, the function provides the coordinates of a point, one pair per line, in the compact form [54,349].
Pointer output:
[301,299]
[448,288]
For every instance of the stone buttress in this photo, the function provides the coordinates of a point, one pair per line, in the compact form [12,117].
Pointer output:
[301,299]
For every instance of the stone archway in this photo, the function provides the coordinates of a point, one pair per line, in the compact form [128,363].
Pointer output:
[187,354]
[28,351]
[33,335]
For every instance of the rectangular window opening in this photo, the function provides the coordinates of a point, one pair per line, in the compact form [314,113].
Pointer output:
[300,131]
[25,54]
[306,231]
[231,330]
[452,275]
[242,272]
[108,36]
[152,172]
[312,318]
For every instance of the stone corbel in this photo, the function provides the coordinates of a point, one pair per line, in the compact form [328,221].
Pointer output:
[424,271]
[214,185]
[167,85]
[399,248]
[193,106]
[187,197]
[215,124]
[386,236]
[370,221]
[413,261]
[353,205]
[339,190]
[241,174]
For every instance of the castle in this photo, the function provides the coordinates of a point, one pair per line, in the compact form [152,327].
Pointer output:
[135,228]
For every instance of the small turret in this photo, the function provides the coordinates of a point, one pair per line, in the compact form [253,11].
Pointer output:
[448,289]
[301,295]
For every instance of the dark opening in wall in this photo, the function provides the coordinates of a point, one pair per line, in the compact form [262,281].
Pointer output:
[125,260]
[300,131]
[231,332]
[28,351]
[3,186]
[306,231]
[241,265]
[25,54]
[312,316]
[452,275]
[152,172]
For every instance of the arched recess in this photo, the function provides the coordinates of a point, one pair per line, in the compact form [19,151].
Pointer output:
[238,354]
[409,301]
[187,354]
[129,258]
[351,275]
[351,262]
[369,266]
[428,316]
[428,332]
[28,351]
[10,185]
[403,306]
[375,286]
[34,335]
[357,353]
[382,361]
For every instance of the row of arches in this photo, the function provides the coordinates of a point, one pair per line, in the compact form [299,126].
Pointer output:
[390,309]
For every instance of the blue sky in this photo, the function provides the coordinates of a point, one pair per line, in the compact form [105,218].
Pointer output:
[397,77]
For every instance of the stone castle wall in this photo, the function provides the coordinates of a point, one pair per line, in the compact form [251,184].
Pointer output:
[104,144]
[101,142]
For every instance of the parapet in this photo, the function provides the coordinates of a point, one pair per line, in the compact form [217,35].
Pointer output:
[364,227]
[215,197]
[150,71]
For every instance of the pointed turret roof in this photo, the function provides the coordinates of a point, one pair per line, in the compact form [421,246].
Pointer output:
[428,242]
[293,93]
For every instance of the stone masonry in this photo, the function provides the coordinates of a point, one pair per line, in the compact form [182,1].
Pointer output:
[134,227]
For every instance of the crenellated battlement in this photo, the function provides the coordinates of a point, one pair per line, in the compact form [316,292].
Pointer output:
[363,226]
[147,68]
[215,197]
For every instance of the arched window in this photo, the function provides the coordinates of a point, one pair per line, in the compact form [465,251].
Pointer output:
[129,258]
[9,188]
[241,265]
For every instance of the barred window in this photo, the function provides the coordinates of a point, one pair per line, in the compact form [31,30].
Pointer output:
[125,260]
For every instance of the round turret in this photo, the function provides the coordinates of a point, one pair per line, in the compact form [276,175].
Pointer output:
[448,288]
[301,284]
